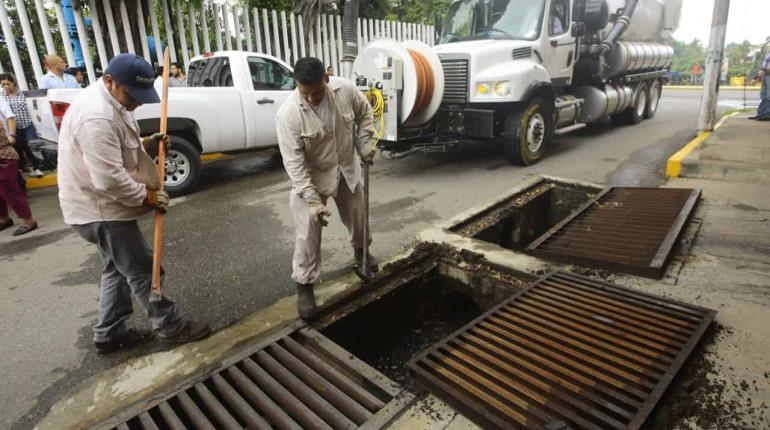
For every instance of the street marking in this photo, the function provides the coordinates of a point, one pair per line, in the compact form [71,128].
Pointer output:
[46,181]
[674,164]
[214,156]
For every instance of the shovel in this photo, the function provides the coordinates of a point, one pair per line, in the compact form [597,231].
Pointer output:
[363,271]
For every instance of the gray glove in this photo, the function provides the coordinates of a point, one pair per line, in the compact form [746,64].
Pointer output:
[157,199]
[368,157]
[318,210]
[152,142]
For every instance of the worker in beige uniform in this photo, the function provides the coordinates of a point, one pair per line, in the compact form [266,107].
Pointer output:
[325,132]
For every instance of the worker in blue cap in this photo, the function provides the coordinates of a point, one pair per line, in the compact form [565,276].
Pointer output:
[107,181]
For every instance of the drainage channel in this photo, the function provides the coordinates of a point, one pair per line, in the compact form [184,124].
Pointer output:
[569,352]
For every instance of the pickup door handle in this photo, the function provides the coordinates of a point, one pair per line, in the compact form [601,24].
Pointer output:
[265,100]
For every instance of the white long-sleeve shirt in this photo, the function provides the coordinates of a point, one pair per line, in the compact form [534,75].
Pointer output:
[103,170]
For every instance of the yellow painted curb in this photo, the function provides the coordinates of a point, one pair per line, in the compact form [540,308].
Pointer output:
[214,156]
[46,181]
[674,164]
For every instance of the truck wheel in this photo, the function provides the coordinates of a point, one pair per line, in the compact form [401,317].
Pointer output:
[527,132]
[653,99]
[183,167]
[634,114]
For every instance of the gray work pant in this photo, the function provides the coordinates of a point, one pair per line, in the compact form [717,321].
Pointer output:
[306,264]
[126,269]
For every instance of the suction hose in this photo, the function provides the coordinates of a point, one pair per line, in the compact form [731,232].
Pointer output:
[619,28]
[349,37]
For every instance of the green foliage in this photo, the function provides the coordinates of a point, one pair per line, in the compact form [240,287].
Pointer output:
[422,11]
[686,55]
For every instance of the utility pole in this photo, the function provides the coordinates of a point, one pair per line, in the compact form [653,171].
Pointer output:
[714,57]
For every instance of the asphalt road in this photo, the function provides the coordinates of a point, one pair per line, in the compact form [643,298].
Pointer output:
[228,247]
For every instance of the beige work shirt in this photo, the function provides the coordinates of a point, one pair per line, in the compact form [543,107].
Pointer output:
[315,156]
[103,169]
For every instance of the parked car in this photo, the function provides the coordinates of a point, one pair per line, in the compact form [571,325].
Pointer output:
[229,106]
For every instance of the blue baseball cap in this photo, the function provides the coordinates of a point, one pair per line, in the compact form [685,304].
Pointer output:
[136,75]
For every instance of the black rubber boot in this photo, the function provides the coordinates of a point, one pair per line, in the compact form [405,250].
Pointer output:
[187,331]
[373,263]
[131,338]
[305,301]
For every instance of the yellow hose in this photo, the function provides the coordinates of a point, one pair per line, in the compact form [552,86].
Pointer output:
[377,101]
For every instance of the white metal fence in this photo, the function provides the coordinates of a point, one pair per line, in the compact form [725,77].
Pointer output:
[277,33]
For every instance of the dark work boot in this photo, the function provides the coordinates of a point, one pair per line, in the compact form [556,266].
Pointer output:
[131,338]
[305,301]
[373,263]
[187,331]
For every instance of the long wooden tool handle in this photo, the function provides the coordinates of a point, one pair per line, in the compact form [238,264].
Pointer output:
[157,250]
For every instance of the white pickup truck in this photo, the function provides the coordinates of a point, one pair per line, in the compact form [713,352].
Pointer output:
[229,106]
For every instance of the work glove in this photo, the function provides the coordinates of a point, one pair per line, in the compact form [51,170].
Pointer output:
[152,142]
[368,157]
[318,210]
[157,199]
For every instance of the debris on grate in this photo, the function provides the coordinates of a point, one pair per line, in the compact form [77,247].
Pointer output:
[569,352]
[300,381]
[629,230]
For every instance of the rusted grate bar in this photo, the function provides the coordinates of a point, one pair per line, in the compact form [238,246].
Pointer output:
[299,381]
[630,230]
[568,352]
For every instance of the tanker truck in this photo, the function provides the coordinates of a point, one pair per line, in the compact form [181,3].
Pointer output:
[518,72]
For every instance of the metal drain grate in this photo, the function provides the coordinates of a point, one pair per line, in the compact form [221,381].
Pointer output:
[300,381]
[630,230]
[569,352]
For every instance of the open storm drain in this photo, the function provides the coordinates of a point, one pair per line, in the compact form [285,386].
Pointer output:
[630,230]
[569,352]
[300,381]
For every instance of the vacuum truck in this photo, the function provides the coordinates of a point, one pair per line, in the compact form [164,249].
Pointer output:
[519,72]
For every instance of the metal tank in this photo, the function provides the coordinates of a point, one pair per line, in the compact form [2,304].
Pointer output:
[600,103]
[653,20]
[630,57]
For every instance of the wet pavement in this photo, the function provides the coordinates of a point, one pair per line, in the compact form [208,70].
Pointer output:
[228,247]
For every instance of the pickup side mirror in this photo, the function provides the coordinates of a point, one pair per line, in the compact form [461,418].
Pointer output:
[578,29]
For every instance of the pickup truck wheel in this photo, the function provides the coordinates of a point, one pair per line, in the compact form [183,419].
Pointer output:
[183,167]
[653,99]
[527,132]
[634,114]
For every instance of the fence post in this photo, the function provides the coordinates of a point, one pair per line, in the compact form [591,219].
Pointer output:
[237,28]
[247,27]
[338,69]
[332,43]
[301,36]
[21,9]
[155,33]
[266,26]
[294,49]
[205,23]
[169,33]
[218,26]
[226,22]
[114,42]
[46,30]
[286,51]
[142,31]
[13,51]
[276,35]
[182,33]
[65,36]
[326,41]
[98,36]
[127,27]
[257,31]
[83,37]
[319,48]
[193,29]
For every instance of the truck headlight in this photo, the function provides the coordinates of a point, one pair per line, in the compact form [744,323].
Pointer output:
[493,88]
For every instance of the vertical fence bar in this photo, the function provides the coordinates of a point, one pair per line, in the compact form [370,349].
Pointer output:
[142,31]
[327,53]
[65,36]
[311,42]
[182,33]
[276,34]
[266,26]
[156,33]
[359,39]
[339,45]
[126,27]
[247,29]
[110,17]
[26,29]
[237,28]
[301,28]
[193,29]
[364,33]
[83,37]
[50,48]
[100,48]
[205,25]
[319,48]
[294,48]
[332,42]
[218,26]
[169,33]
[286,51]
[13,51]
[226,22]
[257,31]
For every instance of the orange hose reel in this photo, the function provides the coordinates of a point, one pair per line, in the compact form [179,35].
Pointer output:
[425,82]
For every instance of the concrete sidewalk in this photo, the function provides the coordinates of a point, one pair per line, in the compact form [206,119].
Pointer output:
[737,151]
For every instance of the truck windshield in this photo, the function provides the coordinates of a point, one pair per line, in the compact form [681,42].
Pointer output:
[493,19]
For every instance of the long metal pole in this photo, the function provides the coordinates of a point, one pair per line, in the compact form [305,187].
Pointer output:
[193,30]
[205,24]
[83,37]
[100,48]
[143,31]
[21,9]
[110,16]
[169,33]
[182,33]
[127,27]
[65,36]
[155,33]
[13,51]
[714,57]
[43,18]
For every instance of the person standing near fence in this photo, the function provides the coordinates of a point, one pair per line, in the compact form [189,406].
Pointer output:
[25,130]
[56,78]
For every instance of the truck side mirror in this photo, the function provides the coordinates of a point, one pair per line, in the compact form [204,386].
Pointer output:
[578,29]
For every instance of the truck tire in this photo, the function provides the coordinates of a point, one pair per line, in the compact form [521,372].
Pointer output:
[183,167]
[653,98]
[634,114]
[527,132]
